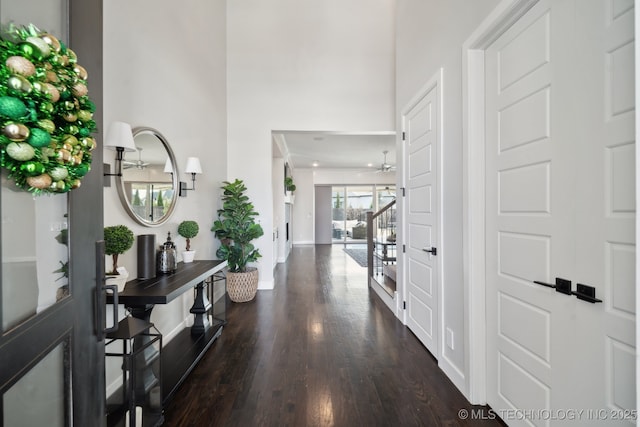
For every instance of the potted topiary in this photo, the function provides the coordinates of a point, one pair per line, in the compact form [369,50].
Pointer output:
[188,229]
[117,240]
[289,188]
[289,185]
[236,228]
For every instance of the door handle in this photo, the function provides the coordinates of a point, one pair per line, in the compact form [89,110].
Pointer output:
[562,285]
[114,290]
[99,322]
[433,251]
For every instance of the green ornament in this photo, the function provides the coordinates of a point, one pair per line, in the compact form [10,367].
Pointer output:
[84,132]
[19,84]
[40,44]
[84,115]
[82,169]
[70,139]
[90,106]
[41,73]
[72,129]
[58,186]
[20,151]
[12,107]
[47,125]
[39,138]
[30,51]
[59,173]
[88,143]
[32,168]
[46,107]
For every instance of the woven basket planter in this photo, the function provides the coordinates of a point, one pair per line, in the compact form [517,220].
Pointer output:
[242,287]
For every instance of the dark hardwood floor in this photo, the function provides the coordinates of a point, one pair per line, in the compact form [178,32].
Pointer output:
[319,350]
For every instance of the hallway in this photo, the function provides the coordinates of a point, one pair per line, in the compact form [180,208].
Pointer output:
[319,350]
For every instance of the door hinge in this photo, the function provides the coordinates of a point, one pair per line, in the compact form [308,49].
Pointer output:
[404,136]
[404,305]
[403,193]
[404,248]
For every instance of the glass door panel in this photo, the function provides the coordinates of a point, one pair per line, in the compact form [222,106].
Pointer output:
[35,256]
[47,384]
[34,229]
[385,195]
[359,201]
[387,228]
[338,233]
[48,280]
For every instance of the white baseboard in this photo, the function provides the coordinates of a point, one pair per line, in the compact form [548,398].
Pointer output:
[266,284]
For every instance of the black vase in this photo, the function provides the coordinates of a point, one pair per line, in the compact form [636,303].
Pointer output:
[146,256]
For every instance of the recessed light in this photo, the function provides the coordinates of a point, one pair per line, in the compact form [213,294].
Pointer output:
[315,164]
[369,165]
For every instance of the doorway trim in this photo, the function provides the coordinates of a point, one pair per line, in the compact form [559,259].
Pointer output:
[473,169]
[637,116]
[435,82]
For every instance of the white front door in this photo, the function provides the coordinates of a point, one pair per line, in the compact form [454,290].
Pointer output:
[560,192]
[421,136]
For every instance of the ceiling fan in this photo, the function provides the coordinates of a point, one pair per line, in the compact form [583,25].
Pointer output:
[127,164]
[385,167]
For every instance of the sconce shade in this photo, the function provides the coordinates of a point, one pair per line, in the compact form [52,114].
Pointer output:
[193,165]
[120,135]
[168,167]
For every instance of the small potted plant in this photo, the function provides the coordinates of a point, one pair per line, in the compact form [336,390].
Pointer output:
[289,188]
[117,240]
[188,229]
[236,228]
[289,185]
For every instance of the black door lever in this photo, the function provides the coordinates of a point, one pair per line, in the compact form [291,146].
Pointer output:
[432,251]
[562,285]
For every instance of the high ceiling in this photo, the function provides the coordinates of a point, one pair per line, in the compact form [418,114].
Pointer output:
[335,150]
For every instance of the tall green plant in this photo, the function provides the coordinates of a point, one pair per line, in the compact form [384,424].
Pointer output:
[236,227]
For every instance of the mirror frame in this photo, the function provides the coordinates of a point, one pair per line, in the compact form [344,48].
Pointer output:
[174,182]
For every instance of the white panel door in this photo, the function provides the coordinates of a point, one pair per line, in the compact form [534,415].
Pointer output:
[422,276]
[560,204]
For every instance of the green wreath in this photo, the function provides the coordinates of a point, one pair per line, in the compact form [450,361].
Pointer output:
[46,117]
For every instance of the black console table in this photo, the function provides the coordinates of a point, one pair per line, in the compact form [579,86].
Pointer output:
[181,354]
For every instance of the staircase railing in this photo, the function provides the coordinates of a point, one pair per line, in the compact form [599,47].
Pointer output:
[381,241]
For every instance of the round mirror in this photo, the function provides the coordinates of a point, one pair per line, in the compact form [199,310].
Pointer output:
[148,187]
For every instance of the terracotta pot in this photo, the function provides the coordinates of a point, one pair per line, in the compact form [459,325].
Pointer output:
[242,287]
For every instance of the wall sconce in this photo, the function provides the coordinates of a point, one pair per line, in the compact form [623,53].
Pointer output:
[119,138]
[168,167]
[193,167]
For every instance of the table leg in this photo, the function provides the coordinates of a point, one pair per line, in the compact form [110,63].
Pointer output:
[145,377]
[199,309]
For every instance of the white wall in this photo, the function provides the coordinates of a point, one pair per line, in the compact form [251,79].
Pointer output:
[303,209]
[165,67]
[430,35]
[322,214]
[325,65]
